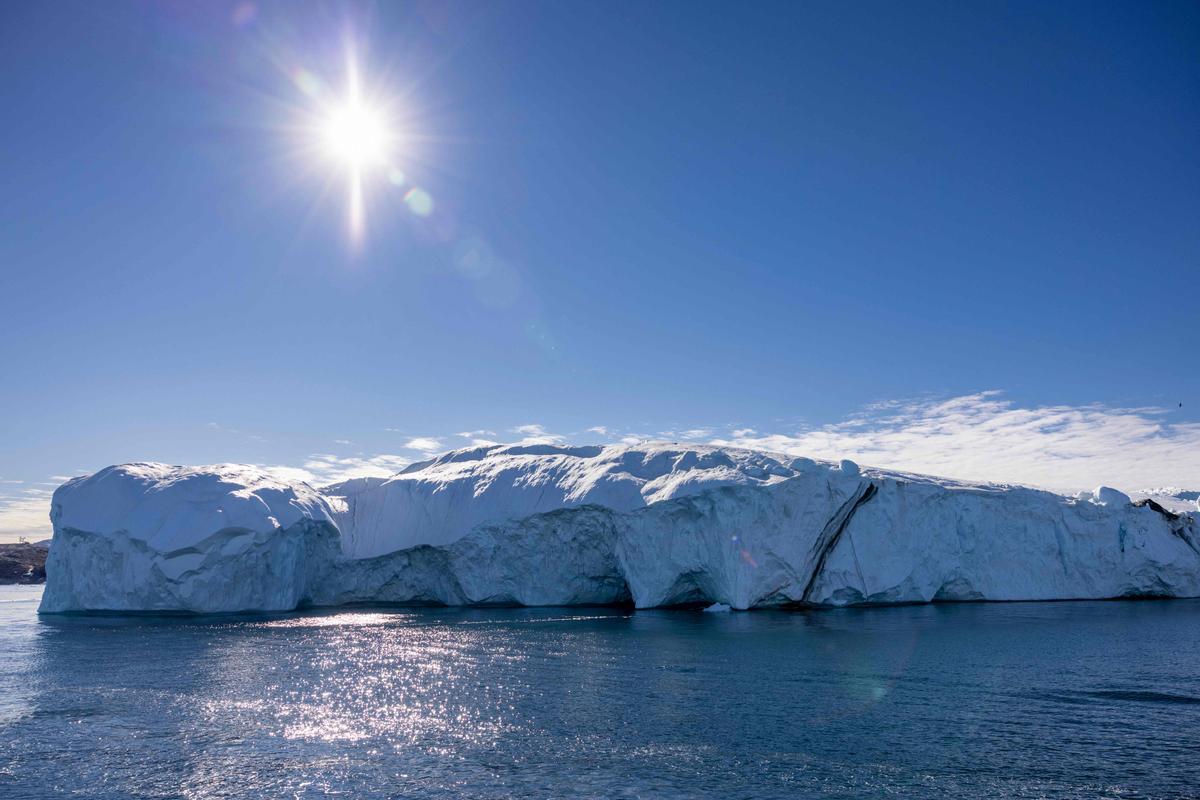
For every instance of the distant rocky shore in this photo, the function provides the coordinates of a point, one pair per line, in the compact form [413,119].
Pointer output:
[23,563]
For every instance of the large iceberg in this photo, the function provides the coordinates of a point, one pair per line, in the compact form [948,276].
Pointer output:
[652,525]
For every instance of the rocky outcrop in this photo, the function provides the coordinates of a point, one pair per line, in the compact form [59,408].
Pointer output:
[22,563]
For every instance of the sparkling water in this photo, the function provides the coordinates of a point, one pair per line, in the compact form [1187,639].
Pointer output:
[1088,699]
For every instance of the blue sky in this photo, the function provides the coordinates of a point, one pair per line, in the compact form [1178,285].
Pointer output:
[681,220]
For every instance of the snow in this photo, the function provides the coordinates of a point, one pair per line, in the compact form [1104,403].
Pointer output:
[648,524]
[152,537]
[439,501]
[166,506]
[1108,496]
[1172,498]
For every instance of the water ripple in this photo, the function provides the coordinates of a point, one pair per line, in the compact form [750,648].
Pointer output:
[989,701]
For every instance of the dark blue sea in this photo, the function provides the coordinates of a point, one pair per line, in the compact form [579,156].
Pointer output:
[1037,700]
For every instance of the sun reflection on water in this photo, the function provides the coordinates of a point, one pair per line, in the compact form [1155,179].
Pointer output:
[443,703]
[376,676]
[342,620]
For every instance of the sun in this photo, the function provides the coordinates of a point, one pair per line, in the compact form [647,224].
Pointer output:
[353,134]
[356,135]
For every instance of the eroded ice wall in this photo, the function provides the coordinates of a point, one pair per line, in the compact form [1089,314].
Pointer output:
[656,525]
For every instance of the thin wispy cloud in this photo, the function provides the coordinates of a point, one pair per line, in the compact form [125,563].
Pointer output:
[480,438]
[982,436]
[532,433]
[323,468]
[987,437]
[216,426]
[25,513]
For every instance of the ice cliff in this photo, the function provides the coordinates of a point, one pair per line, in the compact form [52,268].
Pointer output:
[654,525]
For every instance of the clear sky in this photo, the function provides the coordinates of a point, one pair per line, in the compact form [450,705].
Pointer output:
[819,226]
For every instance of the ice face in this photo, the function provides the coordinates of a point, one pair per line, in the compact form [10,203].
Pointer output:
[652,525]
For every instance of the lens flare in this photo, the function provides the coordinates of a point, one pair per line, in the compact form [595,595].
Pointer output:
[307,82]
[419,201]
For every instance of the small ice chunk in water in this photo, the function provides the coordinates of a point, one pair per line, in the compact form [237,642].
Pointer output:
[717,608]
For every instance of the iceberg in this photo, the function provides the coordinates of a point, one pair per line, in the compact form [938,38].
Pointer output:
[652,525]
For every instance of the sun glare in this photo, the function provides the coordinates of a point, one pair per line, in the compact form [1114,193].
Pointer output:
[356,135]
[352,136]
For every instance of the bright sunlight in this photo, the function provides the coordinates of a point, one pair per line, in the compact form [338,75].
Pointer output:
[356,135]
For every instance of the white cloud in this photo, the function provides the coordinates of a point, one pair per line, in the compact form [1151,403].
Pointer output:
[425,444]
[531,429]
[480,438]
[293,474]
[974,437]
[533,433]
[985,437]
[342,441]
[25,513]
[322,468]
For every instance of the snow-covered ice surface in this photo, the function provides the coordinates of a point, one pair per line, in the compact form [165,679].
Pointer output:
[1172,498]
[439,501]
[160,538]
[651,524]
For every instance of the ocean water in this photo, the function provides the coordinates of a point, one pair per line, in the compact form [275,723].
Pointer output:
[972,700]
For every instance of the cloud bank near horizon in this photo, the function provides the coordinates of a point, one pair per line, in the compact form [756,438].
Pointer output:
[984,437]
[976,437]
